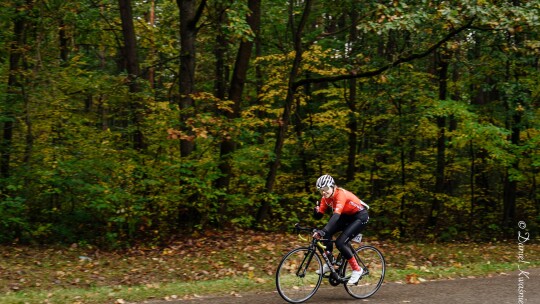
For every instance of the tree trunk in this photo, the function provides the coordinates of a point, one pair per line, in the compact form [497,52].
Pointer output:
[283,124]
[515,70]
[151,19]
[132,66]
[221,71]
[236,89]
[14,91]
[189,16]
[353,132]
[351,102]
[510,185]
[472,185]
[64,49]
[299,130]
[402,206]
[437,202]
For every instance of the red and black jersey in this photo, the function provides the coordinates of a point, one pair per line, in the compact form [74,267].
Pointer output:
[342,202]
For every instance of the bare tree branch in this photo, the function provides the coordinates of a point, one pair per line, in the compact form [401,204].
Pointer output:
[380,70]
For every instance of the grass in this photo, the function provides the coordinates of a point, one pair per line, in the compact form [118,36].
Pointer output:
[228,263]
[121,294]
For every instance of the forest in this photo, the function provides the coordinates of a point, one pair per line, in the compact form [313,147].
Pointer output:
[139,120]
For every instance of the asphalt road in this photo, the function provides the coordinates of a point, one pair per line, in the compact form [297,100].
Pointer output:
[499,289]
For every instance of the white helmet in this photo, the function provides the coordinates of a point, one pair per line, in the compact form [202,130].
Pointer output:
[325,181]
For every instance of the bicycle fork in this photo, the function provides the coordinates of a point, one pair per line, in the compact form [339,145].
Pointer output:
[302,269]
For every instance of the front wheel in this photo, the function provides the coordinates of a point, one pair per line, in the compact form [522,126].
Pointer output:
[372,261]
[296,276]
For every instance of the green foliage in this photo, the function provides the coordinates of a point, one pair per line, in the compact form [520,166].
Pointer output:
[75,175]
[13,218]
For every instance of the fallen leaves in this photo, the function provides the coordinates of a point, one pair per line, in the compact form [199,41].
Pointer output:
[414,279]
[175,297]
[214,255]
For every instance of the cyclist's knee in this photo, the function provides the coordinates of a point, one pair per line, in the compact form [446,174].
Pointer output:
[341,243]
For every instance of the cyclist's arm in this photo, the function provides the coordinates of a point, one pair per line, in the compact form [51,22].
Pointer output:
[318,211]
[332,222]
[317,214]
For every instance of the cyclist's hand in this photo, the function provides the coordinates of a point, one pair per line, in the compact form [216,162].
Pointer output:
[317,213]
[319,234]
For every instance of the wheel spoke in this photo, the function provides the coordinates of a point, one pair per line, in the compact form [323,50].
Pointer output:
[296,277]
[372,261]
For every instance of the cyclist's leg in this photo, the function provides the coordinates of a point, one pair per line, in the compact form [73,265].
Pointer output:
[359,222]
[340,226]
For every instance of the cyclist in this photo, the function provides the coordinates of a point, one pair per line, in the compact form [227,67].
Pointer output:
[350,215]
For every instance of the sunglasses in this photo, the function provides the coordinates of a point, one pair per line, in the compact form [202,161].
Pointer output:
[324,189]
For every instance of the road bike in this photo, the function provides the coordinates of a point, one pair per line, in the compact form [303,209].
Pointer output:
[297,278]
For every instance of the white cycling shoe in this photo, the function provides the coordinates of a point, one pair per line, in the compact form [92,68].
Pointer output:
[355,277]
[325,269]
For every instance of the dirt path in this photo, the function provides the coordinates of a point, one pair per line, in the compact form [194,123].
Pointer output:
[499,289]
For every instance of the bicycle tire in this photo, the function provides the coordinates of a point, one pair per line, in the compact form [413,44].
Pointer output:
[296,277]
[374,265]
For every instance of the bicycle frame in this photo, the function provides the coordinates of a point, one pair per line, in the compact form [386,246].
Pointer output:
[334,277]
[299,273]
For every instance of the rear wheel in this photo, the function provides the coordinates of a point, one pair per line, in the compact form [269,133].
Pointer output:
[296,277]
[372,261]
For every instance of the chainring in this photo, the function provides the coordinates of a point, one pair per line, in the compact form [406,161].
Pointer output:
[334,279]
